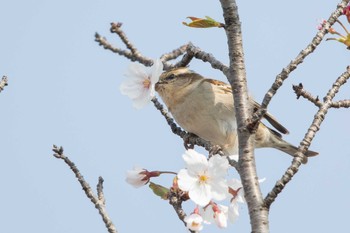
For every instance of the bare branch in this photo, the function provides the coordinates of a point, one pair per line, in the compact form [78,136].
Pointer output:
[174,54]
[116,28]
[341,104]
[297,61]
[193,51]
[3,83]
[99,201]
[305,143]
[300,91]
[133,54]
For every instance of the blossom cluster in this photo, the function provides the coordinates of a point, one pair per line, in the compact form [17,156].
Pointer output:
[205,182]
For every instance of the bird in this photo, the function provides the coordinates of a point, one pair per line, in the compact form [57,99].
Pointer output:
[205,107]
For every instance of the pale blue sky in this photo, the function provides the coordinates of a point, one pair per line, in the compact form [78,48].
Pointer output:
[64,89]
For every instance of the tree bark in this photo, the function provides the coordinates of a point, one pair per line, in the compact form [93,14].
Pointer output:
[237,77]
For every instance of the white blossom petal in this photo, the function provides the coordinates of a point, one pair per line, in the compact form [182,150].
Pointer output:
[185,181]
[203,180]
[194,222]
[140,82]
[200,193]
[136,178]
[157,70]
[218,165]
[220,216]
[195,161]
[233,211]
[219,189]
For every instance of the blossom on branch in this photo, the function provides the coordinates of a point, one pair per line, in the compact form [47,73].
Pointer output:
[139,177]
[139,85]
[194,222]
[215,213]
[204,180]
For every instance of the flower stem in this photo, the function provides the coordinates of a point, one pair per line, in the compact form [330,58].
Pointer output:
[342,25]
[167,172]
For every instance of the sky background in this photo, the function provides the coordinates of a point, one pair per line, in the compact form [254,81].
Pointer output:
[64,90]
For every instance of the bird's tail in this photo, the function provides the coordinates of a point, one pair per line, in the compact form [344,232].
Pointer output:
[288,148]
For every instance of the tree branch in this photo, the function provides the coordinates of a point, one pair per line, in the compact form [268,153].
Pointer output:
[297,61]
[305,143]
[300,91]
[99,201]
[175,200]
[237,78]
[174,54]
[132,53]
[3,83]
[193,51]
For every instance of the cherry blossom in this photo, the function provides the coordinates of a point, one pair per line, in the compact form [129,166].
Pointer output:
[139,85]
[204,180]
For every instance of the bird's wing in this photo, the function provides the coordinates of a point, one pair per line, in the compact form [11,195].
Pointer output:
[271,119]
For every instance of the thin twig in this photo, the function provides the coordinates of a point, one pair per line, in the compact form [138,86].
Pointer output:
[174,54]
[3,83]
[175,197]
[193,51]
[300,91]
[305,143]
[341,104]
[297,61]
[116,28]
[132,53]
[99,201]
[99,189]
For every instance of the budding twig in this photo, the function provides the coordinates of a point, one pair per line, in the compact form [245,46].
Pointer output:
[281,77]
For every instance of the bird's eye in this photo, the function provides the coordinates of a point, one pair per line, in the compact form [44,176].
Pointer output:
[170,77]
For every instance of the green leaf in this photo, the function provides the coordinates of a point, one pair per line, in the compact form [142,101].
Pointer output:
[159,190]
[203,23]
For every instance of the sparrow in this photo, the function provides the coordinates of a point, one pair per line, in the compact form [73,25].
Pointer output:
[204,107]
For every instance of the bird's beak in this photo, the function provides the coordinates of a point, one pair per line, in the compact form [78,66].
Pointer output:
[157,85]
